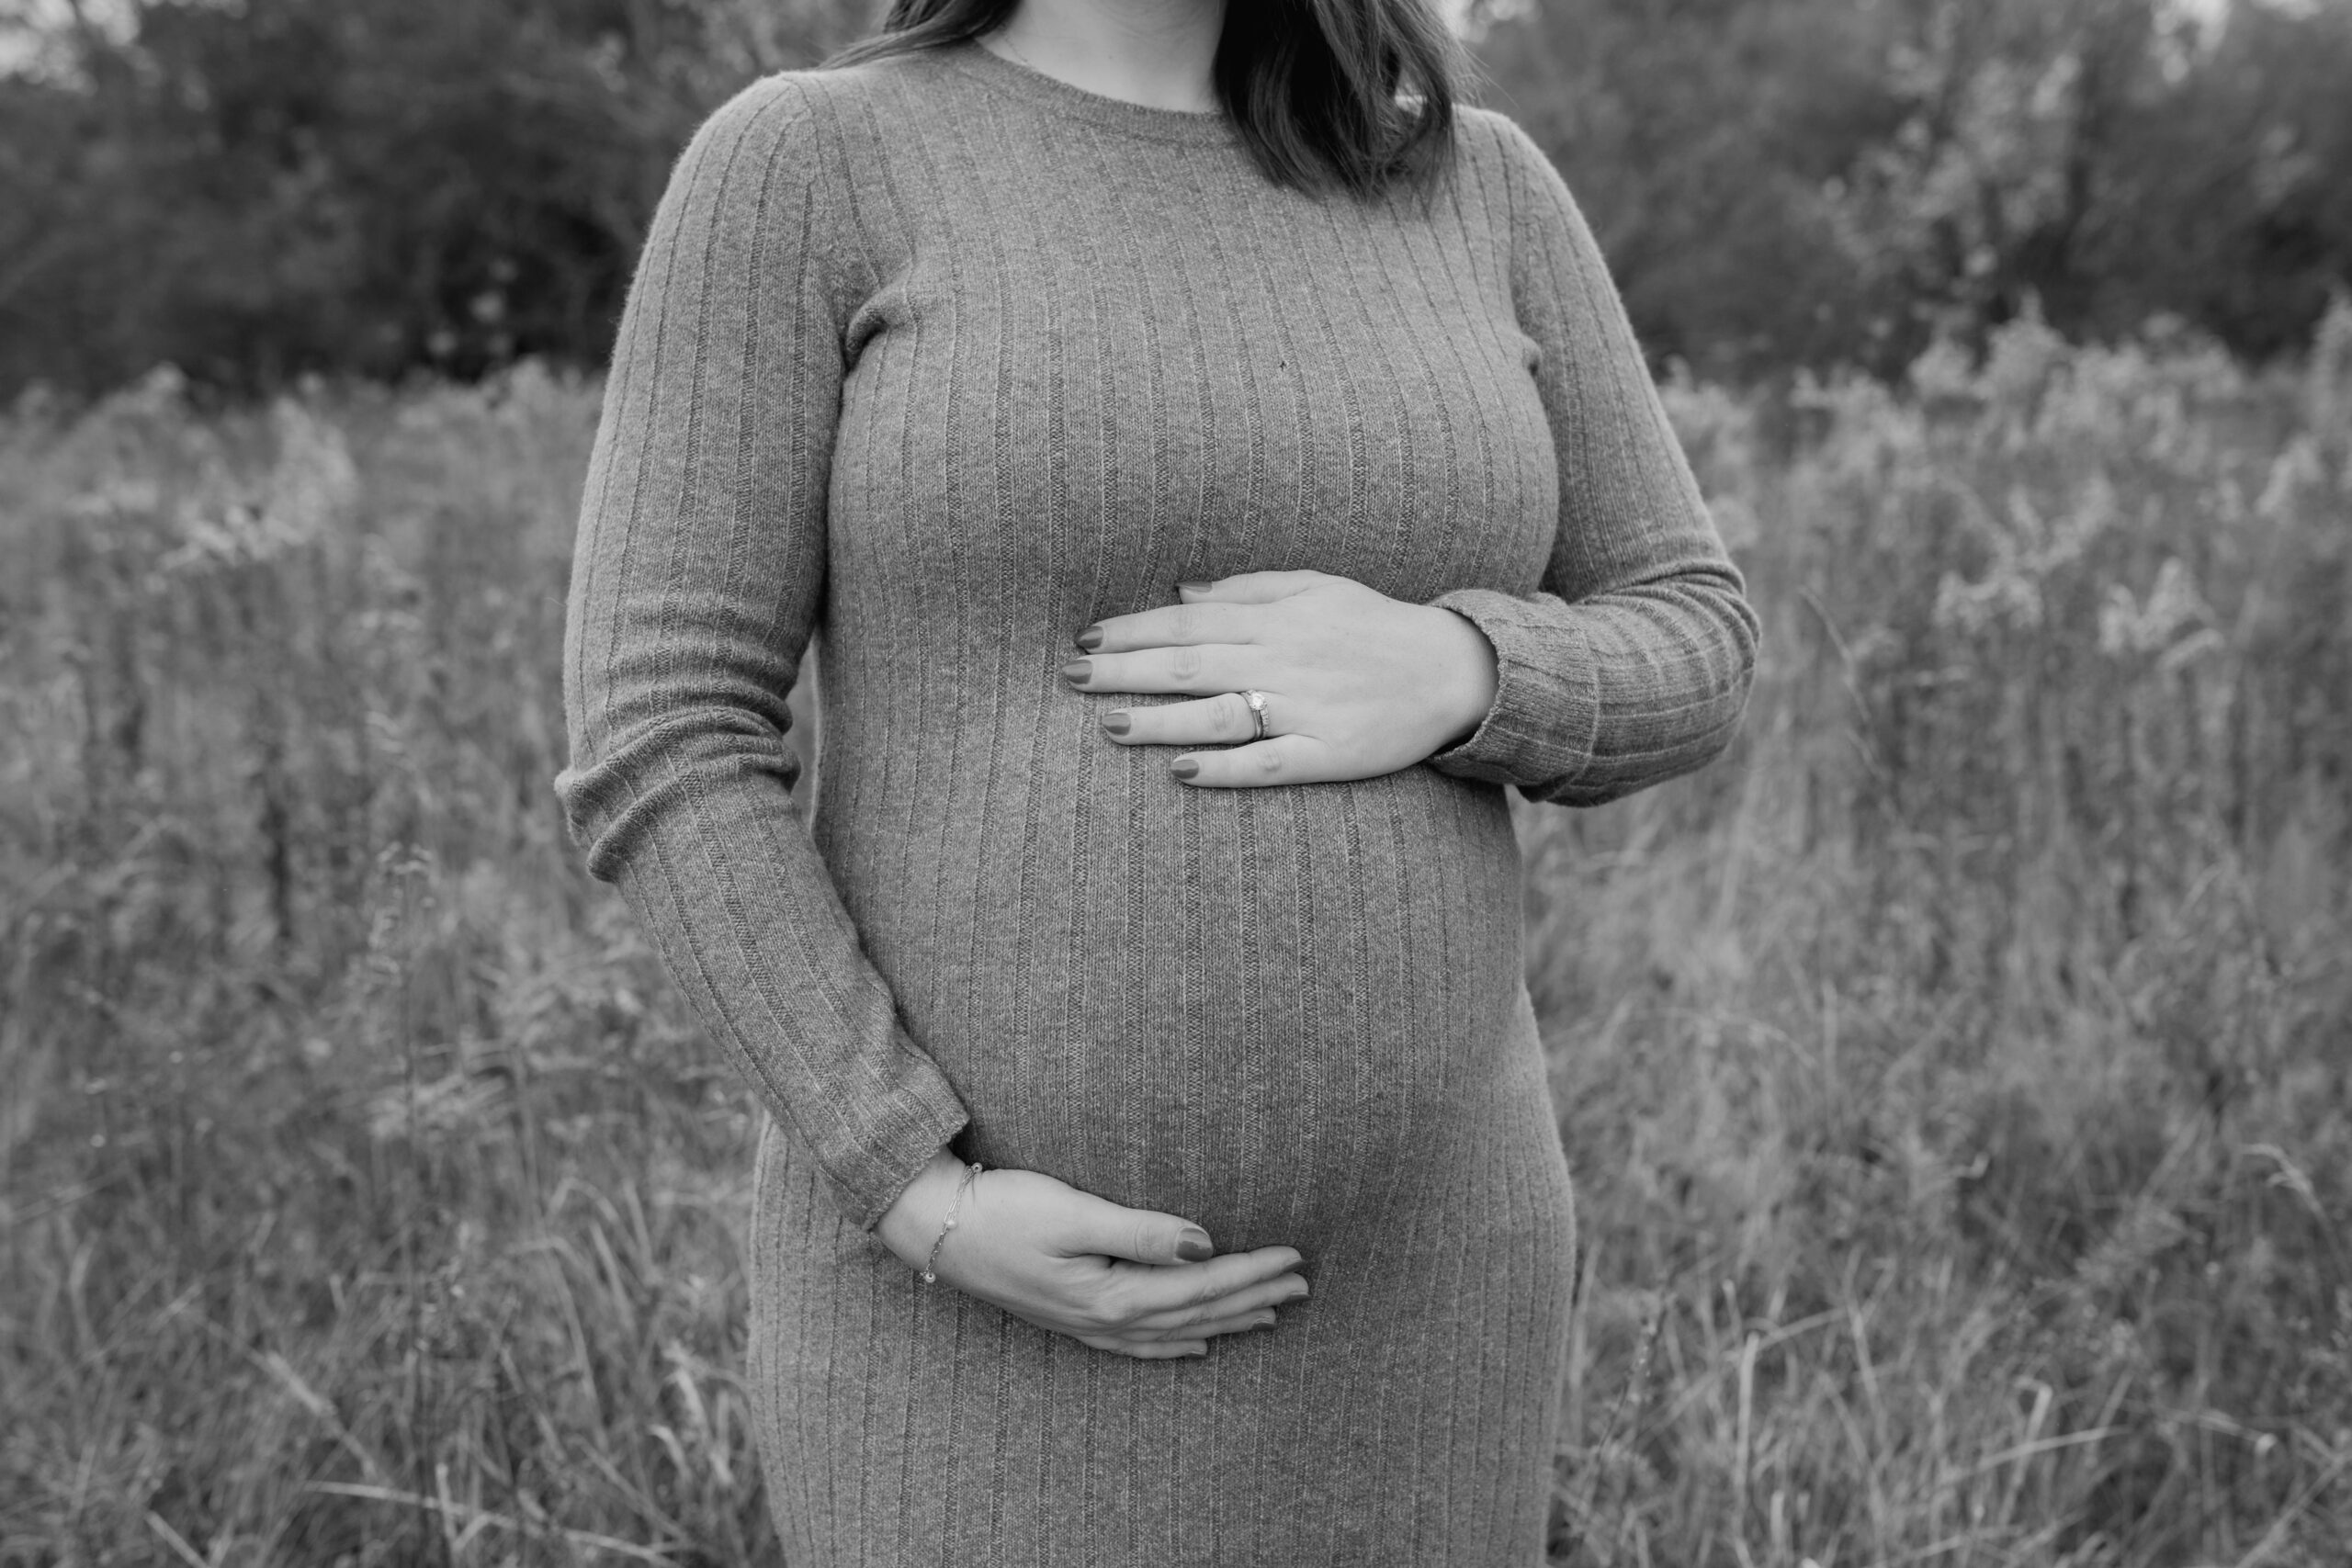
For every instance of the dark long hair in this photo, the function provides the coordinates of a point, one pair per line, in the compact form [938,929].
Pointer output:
[1348,94]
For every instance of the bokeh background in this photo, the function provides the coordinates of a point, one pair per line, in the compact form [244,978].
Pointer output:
[1956,1075]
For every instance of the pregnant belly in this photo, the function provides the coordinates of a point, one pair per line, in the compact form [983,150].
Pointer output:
[1273,1012]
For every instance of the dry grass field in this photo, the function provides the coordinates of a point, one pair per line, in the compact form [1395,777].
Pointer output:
[1956,1075]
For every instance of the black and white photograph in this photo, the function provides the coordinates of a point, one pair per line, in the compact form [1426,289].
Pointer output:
[1176,783]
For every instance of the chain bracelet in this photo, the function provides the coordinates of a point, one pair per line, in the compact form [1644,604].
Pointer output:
[930,1266]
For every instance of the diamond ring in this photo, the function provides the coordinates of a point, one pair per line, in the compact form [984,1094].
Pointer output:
[1257,701]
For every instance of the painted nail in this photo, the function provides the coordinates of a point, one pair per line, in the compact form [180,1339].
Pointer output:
[1195,1246]
[1090,639]
[1264,1320]
[1194,587]
[1117,722]
[1184,768]
[1076,671]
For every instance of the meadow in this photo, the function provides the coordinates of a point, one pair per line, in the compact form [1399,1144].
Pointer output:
[1955,1075]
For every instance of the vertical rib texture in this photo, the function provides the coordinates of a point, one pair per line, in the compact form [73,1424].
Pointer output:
[929,364]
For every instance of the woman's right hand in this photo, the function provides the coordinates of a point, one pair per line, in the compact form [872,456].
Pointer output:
[1127,1280]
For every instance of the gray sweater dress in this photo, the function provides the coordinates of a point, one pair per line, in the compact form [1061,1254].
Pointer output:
[929,364]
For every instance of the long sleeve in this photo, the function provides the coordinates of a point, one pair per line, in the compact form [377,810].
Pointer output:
[696,580]
[1632,663]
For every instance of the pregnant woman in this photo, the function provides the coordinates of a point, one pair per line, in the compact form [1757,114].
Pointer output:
[1208,467]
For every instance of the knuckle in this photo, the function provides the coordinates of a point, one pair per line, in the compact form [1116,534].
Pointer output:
[1270,760]
[1112,1308]
[1184,623]
[1184,663]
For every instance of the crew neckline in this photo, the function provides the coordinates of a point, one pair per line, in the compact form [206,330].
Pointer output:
[1212,128]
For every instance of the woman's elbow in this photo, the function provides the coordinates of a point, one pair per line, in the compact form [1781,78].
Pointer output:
[624,782]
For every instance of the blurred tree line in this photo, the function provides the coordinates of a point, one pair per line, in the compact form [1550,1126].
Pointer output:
[1806,181]
[256,188]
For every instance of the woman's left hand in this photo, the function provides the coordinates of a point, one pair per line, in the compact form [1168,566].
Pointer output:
[1356,683]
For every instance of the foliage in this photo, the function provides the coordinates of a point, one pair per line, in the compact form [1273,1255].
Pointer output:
[1957,1079]
[1818,181]
[1953,1077]
[253,190]
[250,190]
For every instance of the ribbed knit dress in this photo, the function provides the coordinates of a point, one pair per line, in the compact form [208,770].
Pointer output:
[929,364]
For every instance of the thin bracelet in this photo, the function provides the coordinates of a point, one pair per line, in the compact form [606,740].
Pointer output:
[930,1267]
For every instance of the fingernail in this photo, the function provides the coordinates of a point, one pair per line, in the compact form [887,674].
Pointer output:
[1090,639]
[1076,671]
[1264,1320]
[1195,1246]
[1194,587]
[1117,722]
[1184,768]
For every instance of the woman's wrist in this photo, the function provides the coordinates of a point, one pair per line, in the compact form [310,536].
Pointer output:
[1464,676]
[910,1223]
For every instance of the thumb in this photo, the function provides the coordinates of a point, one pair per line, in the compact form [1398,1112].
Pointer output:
[1249,587]
[1139,1234]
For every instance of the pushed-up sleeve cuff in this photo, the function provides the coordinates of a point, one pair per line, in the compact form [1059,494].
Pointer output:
[773,969]
[891,1139]
[1545,717]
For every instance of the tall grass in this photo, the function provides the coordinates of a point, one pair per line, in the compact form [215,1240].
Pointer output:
[1958,1079]
[1955,1077]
